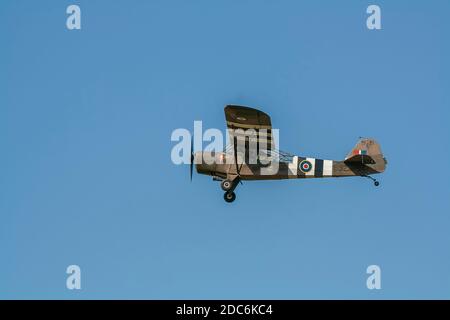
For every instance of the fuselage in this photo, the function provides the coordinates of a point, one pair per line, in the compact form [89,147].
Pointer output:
[222,165]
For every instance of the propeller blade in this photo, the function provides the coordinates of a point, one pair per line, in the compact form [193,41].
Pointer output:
[236,156]
[192,156]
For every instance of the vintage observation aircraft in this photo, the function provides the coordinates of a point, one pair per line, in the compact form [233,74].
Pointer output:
[251,138]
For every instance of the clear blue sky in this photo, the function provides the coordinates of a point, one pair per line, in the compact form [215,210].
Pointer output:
[85,170]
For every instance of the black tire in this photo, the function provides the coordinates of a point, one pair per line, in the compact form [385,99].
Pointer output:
[376,183]
[229,196]
[226,185]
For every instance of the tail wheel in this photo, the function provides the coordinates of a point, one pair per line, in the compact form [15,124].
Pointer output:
[226,185]
[229,196]
[376,183]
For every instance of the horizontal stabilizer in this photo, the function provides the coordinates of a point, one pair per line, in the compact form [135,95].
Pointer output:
[360,158]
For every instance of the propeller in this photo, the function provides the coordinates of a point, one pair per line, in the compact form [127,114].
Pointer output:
[238,169]
[192,156]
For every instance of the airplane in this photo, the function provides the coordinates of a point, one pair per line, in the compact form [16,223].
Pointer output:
[250,132]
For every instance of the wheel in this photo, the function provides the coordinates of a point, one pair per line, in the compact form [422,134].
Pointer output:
[376,183]
[226,185]
[229,196]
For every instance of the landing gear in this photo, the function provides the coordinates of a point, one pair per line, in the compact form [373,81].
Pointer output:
[376,183]
[229,196]
[226,185]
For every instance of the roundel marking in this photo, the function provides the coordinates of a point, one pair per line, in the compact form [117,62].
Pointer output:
[305,166]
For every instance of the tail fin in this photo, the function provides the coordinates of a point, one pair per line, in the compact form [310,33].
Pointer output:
[367,152]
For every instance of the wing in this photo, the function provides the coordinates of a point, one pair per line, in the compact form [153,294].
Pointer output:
[248,126]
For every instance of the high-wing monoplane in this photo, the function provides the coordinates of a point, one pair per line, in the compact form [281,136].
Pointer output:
[252,155]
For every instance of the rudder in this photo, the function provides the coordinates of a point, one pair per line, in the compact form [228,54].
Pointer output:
[367,152]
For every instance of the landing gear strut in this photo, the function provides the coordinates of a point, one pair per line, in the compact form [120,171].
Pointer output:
[376,183]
